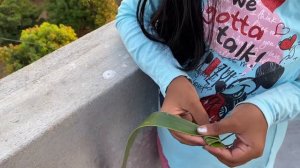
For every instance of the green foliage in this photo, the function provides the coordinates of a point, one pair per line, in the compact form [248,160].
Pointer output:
[16,15]
[6,65]
[82,15]
[37,42]
[72,13]
[103,10]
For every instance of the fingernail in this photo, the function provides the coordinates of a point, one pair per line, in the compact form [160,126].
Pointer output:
[201,130]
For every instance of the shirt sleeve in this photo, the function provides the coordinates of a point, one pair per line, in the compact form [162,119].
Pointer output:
[280,103]
[153,58]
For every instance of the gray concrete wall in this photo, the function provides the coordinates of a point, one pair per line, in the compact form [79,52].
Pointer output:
[289,154]
[75,107]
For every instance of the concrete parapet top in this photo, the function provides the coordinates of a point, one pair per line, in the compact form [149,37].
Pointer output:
[38,97]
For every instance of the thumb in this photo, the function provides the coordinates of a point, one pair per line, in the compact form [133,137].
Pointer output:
[198,112]
[226,125]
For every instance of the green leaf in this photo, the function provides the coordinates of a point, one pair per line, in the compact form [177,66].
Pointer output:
[165,120]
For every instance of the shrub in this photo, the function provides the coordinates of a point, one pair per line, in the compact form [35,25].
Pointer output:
[36,42]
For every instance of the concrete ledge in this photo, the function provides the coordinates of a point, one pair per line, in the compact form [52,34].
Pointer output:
[74,108]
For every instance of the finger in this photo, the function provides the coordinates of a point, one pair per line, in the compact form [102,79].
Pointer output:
[229,164]
[227,125]
[217,154]
[188,116]
[172,110]
[188,139]
[238,154]
[183,141]
[198,112]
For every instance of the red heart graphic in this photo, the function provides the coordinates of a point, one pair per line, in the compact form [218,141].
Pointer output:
[287,44]
[281,29]
[272,5]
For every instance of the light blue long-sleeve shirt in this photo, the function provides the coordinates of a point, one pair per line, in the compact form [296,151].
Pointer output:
[254,58]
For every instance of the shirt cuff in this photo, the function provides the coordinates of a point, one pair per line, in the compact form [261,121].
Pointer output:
[170,78]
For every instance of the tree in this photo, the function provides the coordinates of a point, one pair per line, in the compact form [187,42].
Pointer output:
[82,15]
[37,42]
[16,15]
[5,54]
[103,10]
[71,13]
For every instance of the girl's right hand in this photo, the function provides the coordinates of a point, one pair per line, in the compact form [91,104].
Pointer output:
[183,101]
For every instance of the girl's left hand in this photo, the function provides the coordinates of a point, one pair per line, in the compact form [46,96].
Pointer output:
[250,127]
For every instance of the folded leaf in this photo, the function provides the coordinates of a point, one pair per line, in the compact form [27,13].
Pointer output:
[165,120]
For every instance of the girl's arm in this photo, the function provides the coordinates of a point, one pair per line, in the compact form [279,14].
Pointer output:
[153,58]
[273,106]
[280,103]
[158,62]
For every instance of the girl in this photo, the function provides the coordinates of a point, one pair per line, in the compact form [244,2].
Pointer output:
[231,63]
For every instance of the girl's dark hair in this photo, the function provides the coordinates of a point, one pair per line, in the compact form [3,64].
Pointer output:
[179,25]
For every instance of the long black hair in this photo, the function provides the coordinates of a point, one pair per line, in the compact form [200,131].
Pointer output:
[178,24]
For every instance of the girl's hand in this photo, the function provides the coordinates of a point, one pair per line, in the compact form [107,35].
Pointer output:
[250,127]
[183,101]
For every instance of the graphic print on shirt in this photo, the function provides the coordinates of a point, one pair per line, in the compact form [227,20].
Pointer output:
[227,96]
[251,35]
[290,44]
[245,31]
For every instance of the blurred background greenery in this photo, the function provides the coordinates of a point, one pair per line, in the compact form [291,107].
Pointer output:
[30,29]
